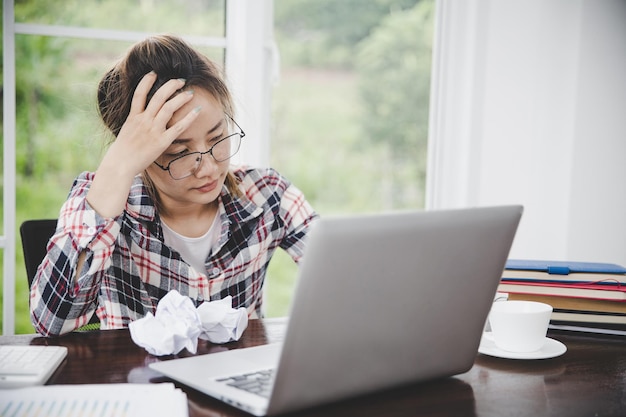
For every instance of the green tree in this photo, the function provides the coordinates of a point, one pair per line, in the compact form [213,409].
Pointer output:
[324,33]
[394,70]
[39,88]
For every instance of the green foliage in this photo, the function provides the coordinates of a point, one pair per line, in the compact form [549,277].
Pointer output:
[39,60]
[323,33]
[190,17]
[316,141]
[394,67]
[369,124]
[394,70]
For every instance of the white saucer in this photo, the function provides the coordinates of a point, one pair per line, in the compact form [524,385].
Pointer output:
[551,349]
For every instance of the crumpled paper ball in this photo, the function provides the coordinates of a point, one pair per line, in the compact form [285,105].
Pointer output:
[177,324]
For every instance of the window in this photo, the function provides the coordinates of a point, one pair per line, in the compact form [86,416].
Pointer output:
[350,107]
[347,124]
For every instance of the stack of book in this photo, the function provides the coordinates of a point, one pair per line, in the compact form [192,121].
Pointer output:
[585,296]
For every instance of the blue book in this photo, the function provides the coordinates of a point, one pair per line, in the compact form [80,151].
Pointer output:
[564,272]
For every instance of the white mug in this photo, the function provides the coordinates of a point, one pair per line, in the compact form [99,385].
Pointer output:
[519,326]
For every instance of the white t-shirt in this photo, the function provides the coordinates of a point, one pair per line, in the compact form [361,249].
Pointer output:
[194,250]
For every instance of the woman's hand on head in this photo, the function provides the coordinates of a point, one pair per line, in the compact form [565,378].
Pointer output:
[146,135]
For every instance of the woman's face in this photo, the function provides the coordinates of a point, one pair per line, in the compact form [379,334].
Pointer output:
[205,184]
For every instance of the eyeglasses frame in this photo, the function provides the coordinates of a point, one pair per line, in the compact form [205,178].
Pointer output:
[209,151]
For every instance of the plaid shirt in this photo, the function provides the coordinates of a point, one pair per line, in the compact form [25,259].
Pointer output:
[128,268]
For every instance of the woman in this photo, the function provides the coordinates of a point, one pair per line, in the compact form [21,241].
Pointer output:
[165,210]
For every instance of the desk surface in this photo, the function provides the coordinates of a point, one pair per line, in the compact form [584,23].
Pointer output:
[588,380]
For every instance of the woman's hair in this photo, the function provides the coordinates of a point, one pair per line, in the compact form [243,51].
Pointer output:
[170,58]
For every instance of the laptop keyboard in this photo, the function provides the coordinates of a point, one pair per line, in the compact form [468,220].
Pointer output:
[28,365]
[259,383]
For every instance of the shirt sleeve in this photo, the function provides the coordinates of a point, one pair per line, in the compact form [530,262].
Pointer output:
[63,299]
[293,213]
[298,216]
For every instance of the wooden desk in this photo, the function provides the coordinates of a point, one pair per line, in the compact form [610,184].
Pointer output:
[588,380]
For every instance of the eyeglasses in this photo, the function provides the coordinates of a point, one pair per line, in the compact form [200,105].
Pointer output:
[187,165]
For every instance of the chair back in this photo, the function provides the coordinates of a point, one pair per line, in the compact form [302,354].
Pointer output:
[35,236]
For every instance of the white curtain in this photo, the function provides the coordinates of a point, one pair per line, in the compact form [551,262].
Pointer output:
[528,104]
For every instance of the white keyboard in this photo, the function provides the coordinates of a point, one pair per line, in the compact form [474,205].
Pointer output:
[22,366]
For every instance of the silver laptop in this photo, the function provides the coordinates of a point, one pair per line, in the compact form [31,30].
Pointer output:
[381,301]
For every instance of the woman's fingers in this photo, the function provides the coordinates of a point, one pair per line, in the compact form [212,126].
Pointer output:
[138,102]
[160,97]
[163,96]
[179,127]
[147,130]
[167,110]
